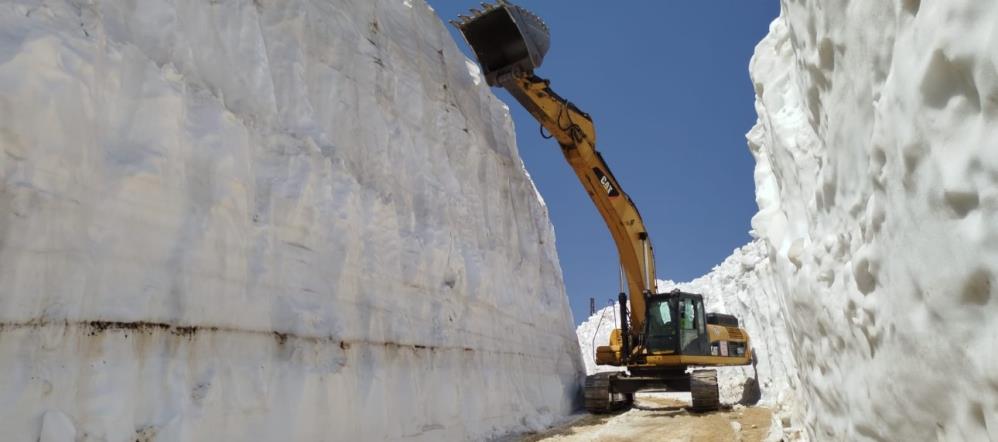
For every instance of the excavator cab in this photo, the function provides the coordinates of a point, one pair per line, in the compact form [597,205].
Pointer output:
[506,39]
[676,325]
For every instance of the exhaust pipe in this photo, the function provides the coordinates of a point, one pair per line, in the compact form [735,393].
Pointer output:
[506,39]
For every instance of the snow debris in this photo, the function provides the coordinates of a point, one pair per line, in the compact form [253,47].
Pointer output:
[282,220]
[474,71]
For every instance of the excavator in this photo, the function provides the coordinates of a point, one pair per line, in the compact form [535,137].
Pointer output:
[665,341]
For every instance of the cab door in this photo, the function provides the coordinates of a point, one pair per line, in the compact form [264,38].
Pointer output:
[661,333]
[693,338]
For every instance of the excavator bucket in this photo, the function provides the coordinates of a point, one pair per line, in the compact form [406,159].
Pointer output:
[506,39]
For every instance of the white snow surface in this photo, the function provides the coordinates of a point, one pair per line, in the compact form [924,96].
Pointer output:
[877,185]
[742,286]
[871,291]
[266,220]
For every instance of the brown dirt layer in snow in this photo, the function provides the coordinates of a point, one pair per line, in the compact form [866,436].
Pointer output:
[664,419]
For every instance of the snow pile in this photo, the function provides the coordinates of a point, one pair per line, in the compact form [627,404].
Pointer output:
[280,220]
[595,332]
[740,286]
[877,184]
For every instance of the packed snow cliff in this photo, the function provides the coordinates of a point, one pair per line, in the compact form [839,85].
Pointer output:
[877,184]
[872,290]
[266,220]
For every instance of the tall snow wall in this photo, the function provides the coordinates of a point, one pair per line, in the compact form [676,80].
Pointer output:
[877,184]
[266,220]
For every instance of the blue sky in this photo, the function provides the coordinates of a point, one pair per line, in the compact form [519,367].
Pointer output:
[667,85]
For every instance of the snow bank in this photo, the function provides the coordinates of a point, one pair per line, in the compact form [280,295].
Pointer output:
[742,286]
[877,184]
[871,292]
[595,332]
[280,220]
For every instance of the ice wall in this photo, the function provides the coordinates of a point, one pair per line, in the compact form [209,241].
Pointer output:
[266,220]
[877,151]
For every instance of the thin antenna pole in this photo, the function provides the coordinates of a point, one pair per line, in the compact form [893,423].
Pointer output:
[620,277]
[614,310]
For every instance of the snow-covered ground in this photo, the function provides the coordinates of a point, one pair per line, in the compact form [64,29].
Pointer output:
[266,220]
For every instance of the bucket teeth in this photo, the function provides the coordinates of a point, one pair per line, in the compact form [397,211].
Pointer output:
[463,20]
[506,38]
[534,16]
[486,7]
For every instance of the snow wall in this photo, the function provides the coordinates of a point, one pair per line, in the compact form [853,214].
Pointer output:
[870,292]
[266,220]
[877,185]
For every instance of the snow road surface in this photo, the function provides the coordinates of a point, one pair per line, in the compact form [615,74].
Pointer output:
[659,417]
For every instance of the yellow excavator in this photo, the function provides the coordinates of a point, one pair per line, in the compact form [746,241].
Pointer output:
[664,339]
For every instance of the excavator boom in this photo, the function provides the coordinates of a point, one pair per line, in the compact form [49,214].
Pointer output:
[667,333]
[510,42]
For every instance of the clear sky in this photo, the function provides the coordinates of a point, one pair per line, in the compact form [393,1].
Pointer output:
[667,85]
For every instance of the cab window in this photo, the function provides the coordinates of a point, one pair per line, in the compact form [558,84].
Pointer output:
[664,315]
[687,315]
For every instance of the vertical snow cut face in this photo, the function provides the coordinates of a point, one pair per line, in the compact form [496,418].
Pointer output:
[266,220]
[877,184]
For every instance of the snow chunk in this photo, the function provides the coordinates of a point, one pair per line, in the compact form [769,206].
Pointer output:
[57,427]
[475,71]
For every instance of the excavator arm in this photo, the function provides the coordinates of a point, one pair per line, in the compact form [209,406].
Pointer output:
[510,43]
[575,133]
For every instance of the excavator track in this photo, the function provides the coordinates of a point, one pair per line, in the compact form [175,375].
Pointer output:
[599,398]
[703,386]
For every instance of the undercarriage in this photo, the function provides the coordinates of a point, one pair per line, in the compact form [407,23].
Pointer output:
[612,391]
